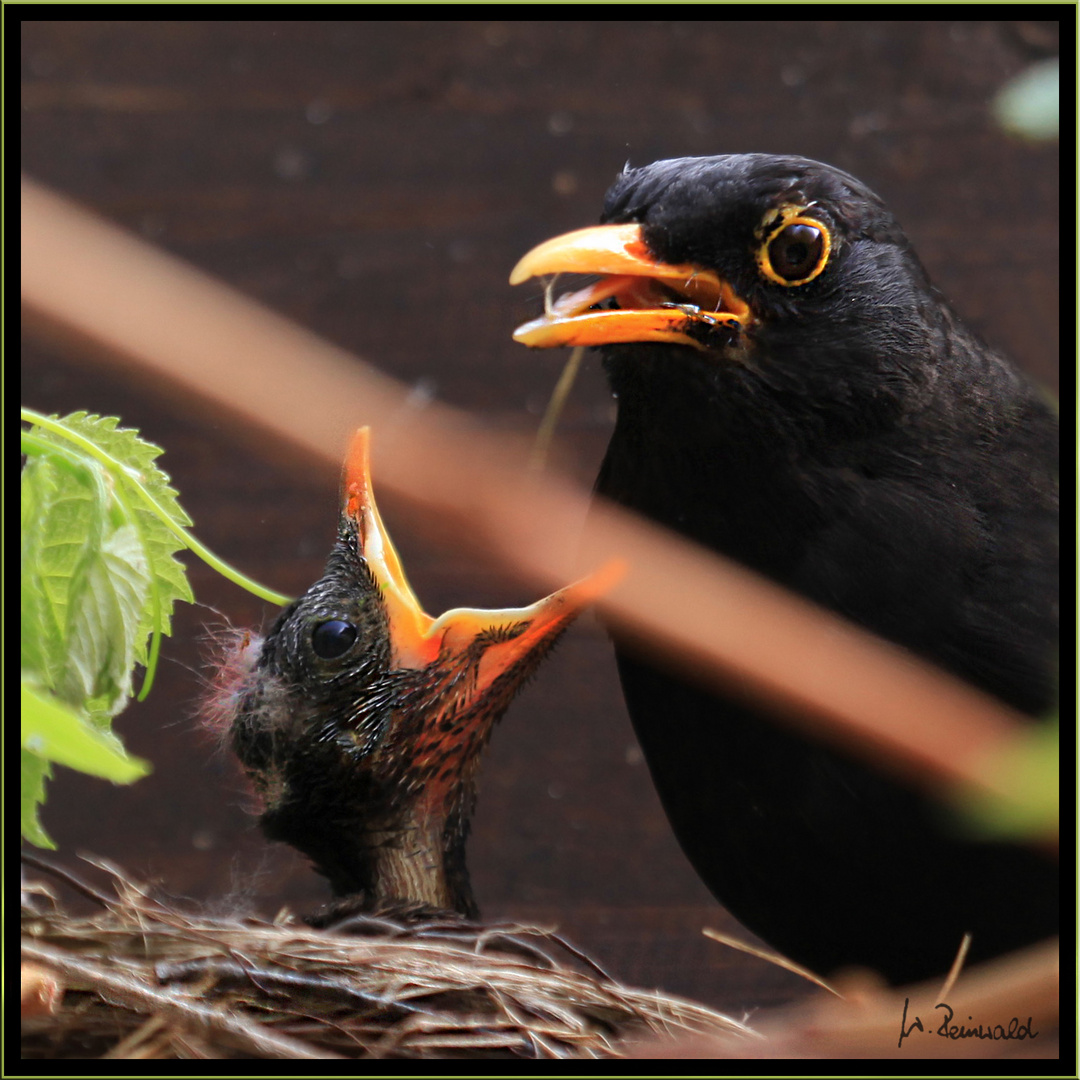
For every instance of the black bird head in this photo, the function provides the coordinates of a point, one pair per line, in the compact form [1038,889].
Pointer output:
[361,720]
[789,273]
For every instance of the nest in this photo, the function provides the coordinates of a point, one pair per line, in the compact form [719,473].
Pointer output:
[144,978]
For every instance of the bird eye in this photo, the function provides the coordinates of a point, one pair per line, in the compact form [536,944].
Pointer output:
[333,638]
[795,252]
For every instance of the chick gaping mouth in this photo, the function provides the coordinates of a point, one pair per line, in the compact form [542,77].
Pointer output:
[638,298]
[498,644]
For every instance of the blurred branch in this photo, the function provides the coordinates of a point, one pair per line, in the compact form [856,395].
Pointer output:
[116,295]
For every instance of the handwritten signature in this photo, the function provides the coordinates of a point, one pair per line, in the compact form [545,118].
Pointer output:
[1014,1029]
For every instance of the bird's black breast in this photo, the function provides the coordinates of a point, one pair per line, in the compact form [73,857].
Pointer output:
[831,862]
[933,524]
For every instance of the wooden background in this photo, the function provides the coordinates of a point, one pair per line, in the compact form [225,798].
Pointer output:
[376,182]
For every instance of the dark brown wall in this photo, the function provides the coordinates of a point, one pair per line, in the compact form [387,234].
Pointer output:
[376,182]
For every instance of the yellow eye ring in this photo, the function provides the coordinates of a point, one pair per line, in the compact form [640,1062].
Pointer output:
[796,250]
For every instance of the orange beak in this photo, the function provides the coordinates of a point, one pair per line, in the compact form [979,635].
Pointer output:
[418,640]
[657,301]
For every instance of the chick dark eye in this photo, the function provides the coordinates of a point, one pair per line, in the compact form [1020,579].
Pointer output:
[796,251]
[333,639]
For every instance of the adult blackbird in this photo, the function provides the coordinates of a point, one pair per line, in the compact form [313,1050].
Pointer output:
[794,393]
[361,720]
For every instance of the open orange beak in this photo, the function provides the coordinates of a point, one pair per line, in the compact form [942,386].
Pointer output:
[418,640]
[656,301]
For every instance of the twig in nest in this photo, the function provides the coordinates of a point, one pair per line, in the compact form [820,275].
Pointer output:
[227,973]
[67,877]
[957,965]
[129,991]
[771,957]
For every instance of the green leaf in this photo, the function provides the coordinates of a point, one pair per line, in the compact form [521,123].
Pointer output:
[63,505]
[169,515]
[84,578]
[138,459]
[35,771]
[55,732]
[106,623]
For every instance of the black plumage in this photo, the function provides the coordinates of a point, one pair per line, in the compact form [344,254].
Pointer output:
[794,393]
